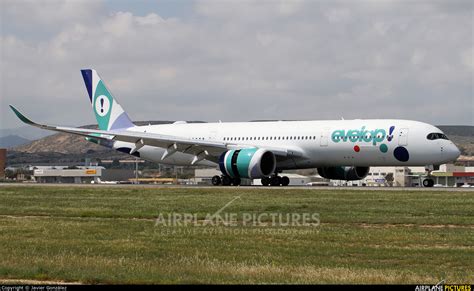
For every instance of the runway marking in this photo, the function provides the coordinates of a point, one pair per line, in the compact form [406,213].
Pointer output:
[356,224]
[75,217]
[390,225]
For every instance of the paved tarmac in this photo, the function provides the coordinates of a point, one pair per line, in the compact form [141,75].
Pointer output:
[457,189]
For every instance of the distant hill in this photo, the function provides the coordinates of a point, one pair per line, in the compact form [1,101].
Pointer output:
[458,130]
[72,144]
[12,141]
[59,143]
[26,132]
[462,136]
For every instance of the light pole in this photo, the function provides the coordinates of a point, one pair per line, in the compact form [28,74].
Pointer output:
[136,170]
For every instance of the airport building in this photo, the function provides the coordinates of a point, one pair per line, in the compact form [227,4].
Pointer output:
[448,175]
[79,175]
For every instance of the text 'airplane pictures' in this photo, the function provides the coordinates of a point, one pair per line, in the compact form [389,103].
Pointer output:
[340,149]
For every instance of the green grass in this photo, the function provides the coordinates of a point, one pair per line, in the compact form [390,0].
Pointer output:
[108,235]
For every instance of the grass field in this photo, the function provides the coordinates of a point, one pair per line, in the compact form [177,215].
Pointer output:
[110,235]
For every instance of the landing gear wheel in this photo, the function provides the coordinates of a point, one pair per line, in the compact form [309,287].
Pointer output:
[226,180]
[285,181]
[236,181]
[428,183]
[275,181]
[216,180]
[265,181]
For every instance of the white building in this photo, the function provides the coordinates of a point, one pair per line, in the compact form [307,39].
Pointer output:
[77,175]
[448,175]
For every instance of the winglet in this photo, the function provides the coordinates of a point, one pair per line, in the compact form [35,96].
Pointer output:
[21,116]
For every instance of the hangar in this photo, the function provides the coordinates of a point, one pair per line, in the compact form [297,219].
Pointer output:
[76,175]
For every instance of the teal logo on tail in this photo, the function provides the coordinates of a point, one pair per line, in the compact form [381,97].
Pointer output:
[102,105]
[108,113]
[103,102]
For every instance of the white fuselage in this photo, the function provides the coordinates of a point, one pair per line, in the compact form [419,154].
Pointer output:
[322,143]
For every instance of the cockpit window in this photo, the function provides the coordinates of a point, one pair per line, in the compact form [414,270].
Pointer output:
[436,135]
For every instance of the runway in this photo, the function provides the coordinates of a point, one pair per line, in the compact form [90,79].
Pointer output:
[278,188]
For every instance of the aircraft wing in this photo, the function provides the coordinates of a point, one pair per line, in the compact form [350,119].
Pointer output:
[210,150]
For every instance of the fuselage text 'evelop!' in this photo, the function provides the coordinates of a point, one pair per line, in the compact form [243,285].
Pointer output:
[340,149]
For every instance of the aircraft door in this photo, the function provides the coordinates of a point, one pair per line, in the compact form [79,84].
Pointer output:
[403,137]
[213,135]
[324,138]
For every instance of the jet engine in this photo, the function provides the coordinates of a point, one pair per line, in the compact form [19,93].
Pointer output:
[343,173]
[250,163]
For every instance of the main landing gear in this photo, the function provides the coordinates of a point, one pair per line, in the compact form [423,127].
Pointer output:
[225,181]
[275,180]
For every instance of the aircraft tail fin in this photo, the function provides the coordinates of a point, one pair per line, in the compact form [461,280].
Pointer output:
[108,112]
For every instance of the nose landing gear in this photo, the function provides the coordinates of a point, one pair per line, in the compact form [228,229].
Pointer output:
[429,182]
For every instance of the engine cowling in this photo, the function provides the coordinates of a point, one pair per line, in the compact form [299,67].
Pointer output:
[343,173]
[250,163]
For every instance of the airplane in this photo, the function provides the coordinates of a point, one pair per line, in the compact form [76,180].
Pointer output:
[99,181]
[339,149]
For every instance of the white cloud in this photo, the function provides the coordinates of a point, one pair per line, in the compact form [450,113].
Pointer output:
[242,60]
[467,57]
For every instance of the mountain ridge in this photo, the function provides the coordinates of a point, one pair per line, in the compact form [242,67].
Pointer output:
[13,140]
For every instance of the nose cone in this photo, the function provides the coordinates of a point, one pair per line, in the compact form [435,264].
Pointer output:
[453,152]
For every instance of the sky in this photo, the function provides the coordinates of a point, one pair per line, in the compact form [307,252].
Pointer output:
[240,60]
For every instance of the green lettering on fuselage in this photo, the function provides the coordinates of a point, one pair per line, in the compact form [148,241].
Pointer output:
[359,135]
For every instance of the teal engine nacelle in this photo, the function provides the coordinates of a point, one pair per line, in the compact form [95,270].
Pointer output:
[249,163]
[343,173]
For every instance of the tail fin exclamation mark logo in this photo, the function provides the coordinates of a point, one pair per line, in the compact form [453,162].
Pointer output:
[102,105]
